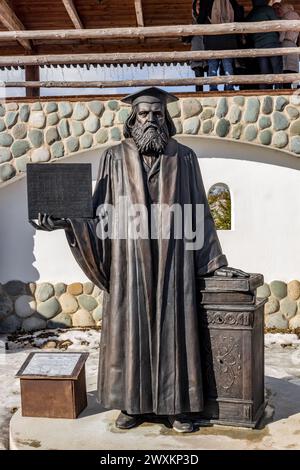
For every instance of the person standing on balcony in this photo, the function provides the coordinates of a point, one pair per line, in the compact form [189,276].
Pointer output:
[261,11]
[288,38]
[217,12]
[197,44]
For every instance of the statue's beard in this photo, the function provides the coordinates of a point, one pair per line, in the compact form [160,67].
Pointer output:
[149,138]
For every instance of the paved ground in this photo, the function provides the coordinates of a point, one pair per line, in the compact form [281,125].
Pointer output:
[280,428]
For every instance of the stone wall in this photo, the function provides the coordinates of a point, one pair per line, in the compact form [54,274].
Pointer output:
[31,306]
[46,131]
[282,310]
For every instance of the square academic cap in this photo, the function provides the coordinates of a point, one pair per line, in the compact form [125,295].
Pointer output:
[149,95]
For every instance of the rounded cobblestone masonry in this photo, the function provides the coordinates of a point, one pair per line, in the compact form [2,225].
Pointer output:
[283,307]
[49,308]
[83,318]
[222,107]
[265,137]
[68,303]
[40,155]
[272,305]
[278,289]
[86,141]
[59,289]
[191,125]
[276,320]
[267,105]
[237,131]
[34,323]
[75,289]
[252,110]
[60,129]
[280,139]
[263,291]
[288,307]
[295,322]
[57,150]
[44,291]
[36,137]
[295,145]
[293,289]
[62,320]
[191,107]
[81,305]
[21,163]
[234,114]
[96,107]
[52,119]
[250,132]
[7,171]
[88,288]
[6,305]
[222,127]
[25,306]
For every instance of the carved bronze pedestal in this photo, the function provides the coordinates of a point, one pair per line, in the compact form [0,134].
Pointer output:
[233,363]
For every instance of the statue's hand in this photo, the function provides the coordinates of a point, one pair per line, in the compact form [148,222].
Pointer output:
[226,271]
[48,223]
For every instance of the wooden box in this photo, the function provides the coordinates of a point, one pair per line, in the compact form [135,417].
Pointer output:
[232,339]
[53,385]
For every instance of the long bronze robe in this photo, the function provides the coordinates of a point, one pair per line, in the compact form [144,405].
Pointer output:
[149,352]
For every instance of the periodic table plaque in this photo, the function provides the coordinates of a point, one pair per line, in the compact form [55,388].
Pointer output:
[62,190]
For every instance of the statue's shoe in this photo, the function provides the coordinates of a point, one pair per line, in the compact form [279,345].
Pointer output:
[126,421]
[181,423]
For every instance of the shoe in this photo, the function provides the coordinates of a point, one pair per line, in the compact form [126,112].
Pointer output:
[126,421]
[181,423]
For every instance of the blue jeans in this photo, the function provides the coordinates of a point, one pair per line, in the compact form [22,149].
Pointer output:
[213,66]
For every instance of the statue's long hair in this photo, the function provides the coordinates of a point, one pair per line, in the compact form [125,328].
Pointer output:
[129,123]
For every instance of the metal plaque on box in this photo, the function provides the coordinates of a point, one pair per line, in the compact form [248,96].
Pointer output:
[53,384]
[62,190]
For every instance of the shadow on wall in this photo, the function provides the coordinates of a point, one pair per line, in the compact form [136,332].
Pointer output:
[16,235]
[214,147]
[283,398]
[31,255]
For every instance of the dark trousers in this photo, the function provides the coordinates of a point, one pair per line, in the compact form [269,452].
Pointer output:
[288,85]
[199,72]
[272,64]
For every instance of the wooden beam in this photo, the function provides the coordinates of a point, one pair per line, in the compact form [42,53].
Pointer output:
[224,79]
[141,57]
[139,12]
[45,47]
[10,20]
[73,14]
[32,73]
[155,31]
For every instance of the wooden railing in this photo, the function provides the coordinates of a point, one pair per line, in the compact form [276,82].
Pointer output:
[151,57]
[223,79]
[155,31]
